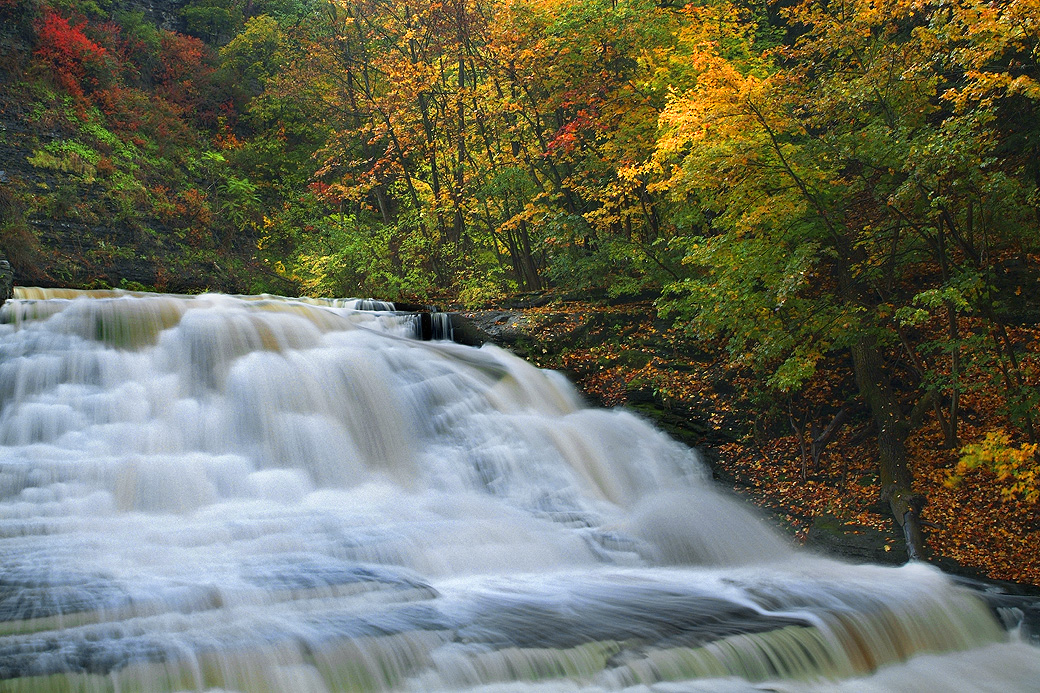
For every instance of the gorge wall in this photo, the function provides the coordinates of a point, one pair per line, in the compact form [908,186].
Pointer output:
[73,212]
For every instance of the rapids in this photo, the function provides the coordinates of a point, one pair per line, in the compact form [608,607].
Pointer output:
[261,494]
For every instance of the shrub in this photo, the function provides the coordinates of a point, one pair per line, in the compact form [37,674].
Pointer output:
[73,58]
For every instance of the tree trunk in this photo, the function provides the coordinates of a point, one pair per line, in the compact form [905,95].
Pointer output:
[952,439]
[893,429]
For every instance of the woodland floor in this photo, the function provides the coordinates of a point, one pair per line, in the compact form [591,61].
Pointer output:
[620,355]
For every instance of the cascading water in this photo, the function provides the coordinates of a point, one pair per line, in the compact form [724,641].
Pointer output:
[262,494]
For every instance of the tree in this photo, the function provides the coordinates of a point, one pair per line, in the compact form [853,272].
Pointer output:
[825,176]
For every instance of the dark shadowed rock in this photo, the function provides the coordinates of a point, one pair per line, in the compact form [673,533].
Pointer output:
[6,280]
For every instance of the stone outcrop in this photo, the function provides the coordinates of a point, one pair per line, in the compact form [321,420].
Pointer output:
[6,280]
[165,14]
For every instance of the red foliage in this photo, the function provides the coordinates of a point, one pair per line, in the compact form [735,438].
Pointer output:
[73,57]
[567,138]
[141,117]
[195,207]
[108,36]
[117,103]
[326,193]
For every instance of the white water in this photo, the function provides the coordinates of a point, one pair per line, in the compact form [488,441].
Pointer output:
[257,494]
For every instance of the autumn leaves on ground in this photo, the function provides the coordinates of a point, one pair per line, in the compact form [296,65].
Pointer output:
[623,355]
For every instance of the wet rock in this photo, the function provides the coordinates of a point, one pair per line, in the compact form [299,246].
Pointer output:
[466,331]
[502,327]
[6,280]
[860,544]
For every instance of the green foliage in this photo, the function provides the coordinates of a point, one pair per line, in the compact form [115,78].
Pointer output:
[478,289]
[95,9]
[242,200]
[213,20]
[18,242]
[128,285]
[135,28]
[759,293]
[333,254]
[961,294]
[253,55]
[69,156]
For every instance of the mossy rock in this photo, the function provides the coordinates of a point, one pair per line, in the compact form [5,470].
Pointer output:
[634,359]
[856,542]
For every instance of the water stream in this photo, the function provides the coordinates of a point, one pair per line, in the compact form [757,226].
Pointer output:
[259,494]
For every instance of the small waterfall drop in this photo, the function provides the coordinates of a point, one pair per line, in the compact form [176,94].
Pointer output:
[260,494]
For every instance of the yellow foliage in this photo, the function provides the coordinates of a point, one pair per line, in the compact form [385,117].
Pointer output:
[1017,464]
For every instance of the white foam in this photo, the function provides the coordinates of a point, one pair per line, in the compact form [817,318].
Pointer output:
[255,493]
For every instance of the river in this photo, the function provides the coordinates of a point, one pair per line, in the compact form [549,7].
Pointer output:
[260,494]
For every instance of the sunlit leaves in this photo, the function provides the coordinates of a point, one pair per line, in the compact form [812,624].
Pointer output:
[1015,465]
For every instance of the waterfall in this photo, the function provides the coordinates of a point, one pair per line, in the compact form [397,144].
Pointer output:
[262,494]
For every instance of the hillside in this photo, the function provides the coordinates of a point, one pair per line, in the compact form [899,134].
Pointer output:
[100,144]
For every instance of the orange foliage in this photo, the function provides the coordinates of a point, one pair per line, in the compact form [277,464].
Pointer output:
[182,66]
